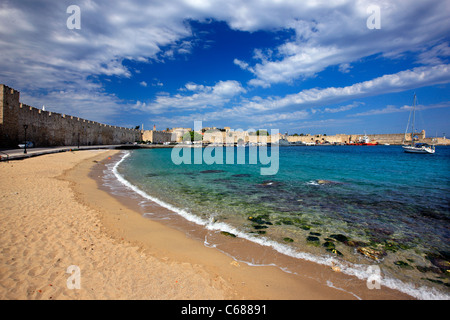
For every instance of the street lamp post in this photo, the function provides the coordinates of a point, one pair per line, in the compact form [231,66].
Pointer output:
[25,127]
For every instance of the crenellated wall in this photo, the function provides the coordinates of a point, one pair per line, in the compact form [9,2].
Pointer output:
[395,138]
[47,128]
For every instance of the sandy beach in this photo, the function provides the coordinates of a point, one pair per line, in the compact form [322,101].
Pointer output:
[54,215]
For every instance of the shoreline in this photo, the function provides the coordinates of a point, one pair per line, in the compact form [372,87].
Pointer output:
[328,283]
[57,215]
[170,244]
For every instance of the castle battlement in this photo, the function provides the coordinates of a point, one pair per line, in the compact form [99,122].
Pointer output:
[47,128]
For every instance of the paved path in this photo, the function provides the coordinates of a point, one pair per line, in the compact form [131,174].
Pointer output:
[16,154]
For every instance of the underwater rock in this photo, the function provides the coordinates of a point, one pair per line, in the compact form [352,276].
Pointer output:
[371,253]
[355,244]
[339,237]
[260,219]
[228,234]
[428,269]
[211,171]
[390,246]
[258,227]
[393,246]
[437,281]
[329,245]
[285,221]
[440,260]
[402,264]
[313,240]
[434,214]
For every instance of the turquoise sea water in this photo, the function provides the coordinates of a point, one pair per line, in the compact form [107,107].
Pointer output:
[361,205]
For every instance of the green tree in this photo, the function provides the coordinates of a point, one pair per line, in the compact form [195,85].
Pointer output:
[192,136]
[262,132]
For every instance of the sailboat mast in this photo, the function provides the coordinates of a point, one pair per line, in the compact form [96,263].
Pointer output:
[414,119]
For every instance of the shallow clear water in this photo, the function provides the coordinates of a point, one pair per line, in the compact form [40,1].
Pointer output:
[365,205]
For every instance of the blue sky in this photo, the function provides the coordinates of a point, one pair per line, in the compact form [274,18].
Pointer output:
[297,66]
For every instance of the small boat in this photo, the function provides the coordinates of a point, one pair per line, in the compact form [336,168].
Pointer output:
[419,148]
[283,142]
[363,141]
[422,148]
[302,143]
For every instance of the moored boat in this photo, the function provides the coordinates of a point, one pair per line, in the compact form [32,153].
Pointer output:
[421,148]
[364,141]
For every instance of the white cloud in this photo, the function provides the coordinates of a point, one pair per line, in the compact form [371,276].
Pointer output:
[386,110]
[243,65]
[343,108]
[404,80]
[345,67]
[436,55]
[394,109]
[337,35]
[202,97]
[143,83]
[326,33]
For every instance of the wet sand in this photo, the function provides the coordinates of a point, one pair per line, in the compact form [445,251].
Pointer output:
[55,213]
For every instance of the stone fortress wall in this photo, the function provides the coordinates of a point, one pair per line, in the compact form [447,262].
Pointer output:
[394,138]
[47,128]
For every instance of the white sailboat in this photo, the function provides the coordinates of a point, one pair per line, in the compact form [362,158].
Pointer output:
[416,147]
